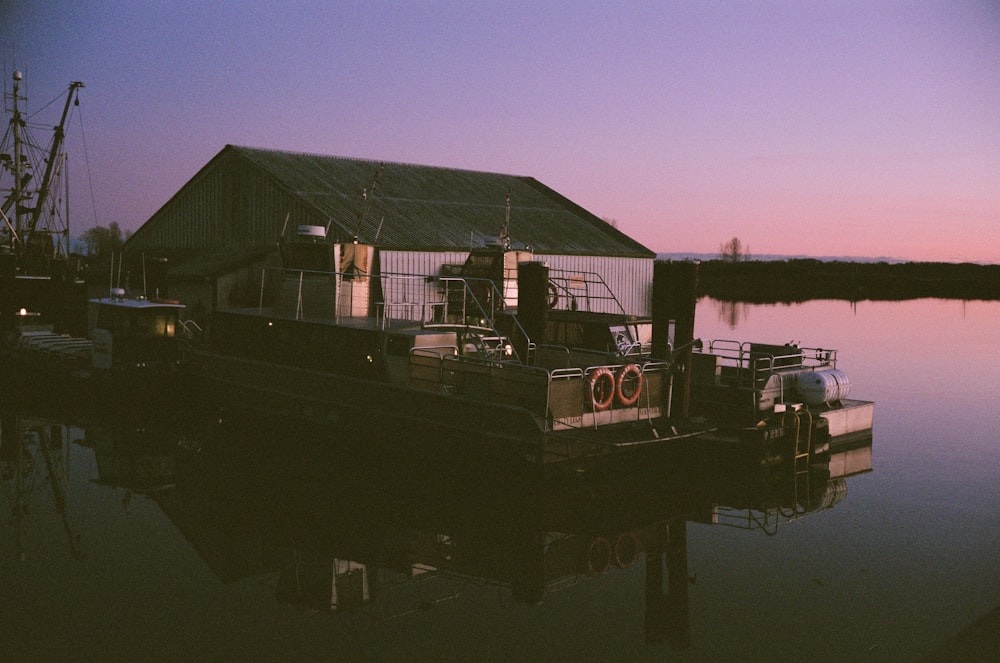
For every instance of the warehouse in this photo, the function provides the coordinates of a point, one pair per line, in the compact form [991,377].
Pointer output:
[223,226]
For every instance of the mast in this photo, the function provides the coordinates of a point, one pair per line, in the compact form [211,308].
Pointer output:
[26,217]
[50,164]
[17,169]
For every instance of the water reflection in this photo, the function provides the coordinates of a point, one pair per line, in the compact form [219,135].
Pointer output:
[361,526]
[34,471]
[730,313]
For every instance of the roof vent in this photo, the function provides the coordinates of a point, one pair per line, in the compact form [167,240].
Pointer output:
[315,232]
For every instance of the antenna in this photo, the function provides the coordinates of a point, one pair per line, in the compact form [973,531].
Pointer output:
[284,227]
[505,231]
[364,198]
[379,231]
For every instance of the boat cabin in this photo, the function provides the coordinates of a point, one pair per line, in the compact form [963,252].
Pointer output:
[134,331]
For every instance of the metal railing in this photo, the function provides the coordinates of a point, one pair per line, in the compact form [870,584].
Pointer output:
[432,302]
[752,366]
[582,291]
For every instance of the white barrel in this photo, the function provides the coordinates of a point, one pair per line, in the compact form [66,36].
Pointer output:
[825,386]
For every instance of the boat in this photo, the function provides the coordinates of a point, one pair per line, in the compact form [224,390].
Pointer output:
[36,271]
[463,354]
[53,340]
[749,382]
[477,356]
[131,355]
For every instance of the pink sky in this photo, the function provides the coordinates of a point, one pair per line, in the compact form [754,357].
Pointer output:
[818,128]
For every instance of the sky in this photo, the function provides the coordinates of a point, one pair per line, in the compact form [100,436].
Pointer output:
[834,128]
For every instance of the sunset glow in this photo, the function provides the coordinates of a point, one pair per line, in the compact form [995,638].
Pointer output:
[851,128]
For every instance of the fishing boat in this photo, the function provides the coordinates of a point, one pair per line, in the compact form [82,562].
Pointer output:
[53,341]
[130,356]
[36,272]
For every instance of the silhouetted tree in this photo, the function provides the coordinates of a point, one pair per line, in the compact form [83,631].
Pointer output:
[102,242]
[733,251]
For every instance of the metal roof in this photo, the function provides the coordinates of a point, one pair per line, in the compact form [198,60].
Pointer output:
[413,207]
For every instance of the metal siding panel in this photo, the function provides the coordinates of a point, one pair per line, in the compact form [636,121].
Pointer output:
[421,263]
[630,279]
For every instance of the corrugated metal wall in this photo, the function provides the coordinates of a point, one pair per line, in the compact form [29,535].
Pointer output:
[231,206]
[630,279]
[419,262]
[422,263]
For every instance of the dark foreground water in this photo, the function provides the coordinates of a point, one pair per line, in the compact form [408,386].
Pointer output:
[135,538]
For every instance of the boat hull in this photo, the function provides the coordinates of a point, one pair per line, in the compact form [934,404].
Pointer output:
[348,405]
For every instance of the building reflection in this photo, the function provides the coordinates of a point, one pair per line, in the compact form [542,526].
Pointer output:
[350,527]
[348,524]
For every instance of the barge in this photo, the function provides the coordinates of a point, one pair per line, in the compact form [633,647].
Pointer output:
[500,354]
[461,355]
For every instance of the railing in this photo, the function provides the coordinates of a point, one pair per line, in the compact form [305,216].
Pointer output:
[431,302]
[581,291]
[467,308]
[752,363]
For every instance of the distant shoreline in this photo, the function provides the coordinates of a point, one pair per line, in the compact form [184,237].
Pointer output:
[797,280]
[783,257]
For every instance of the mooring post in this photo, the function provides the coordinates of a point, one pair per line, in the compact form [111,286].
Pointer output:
[532,303]
[678,606]
[675,287]
[656,613]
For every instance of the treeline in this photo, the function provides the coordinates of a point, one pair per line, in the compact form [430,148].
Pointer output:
[804,279]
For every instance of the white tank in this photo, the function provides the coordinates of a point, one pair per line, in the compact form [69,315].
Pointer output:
[825,386]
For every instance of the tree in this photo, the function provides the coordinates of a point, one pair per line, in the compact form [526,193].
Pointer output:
[102,242]
[733,251]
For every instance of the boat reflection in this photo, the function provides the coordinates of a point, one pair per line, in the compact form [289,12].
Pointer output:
[350,527]
[34,471]
[346,526]
[134,458]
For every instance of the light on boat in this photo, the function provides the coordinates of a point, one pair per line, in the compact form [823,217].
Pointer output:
[23,311]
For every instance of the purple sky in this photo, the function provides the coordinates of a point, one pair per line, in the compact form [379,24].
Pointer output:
[820,128]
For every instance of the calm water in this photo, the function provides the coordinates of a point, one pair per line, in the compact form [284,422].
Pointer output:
[194,540]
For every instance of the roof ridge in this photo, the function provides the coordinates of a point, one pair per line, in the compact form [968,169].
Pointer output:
[383,162]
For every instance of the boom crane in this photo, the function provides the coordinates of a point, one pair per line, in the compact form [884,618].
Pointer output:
[28,213]
[38,284]
[57,140]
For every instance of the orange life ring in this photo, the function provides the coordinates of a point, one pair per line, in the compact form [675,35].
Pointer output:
[553,295]
[602,389]
[598,556]
[626,549]
[629,376]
